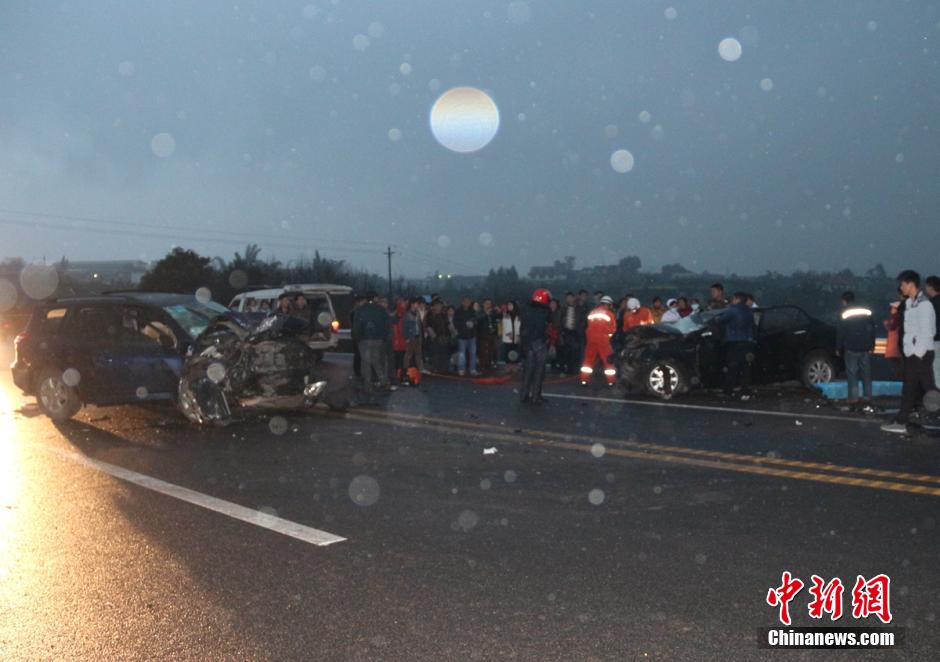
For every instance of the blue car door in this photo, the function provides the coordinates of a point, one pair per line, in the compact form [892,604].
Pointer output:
[88,347]
[147,355]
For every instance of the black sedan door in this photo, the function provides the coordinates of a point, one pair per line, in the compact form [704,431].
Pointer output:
[780,337]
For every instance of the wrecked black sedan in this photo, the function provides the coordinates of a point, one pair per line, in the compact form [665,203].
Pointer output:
[666,359]
[240,361]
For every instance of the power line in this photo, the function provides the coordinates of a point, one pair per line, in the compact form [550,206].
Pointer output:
[101,221]
[154,232]
[140,233]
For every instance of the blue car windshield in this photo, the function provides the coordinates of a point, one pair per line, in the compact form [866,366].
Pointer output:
[194,317]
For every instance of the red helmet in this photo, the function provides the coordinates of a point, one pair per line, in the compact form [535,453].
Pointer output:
[542,296]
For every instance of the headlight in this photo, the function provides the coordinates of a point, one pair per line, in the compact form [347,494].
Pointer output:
[314,390]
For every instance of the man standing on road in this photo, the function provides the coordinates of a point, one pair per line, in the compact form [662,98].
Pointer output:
[359,302]
[738,323]
[413,331]
[932,288]
[570,334]
[536,318]
[601,325]
[716,298]
[372,328]
[465,322]
[855,342]
[438,331]
[487,330]
[920,329]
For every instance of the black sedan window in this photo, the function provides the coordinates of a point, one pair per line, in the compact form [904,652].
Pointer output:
[780,320]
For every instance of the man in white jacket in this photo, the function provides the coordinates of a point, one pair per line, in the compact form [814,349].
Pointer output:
[920,327]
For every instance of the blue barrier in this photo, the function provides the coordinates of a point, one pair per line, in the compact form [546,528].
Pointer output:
[840,390]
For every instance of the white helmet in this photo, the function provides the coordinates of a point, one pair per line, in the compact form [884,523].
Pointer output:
[633,303]
[607,301]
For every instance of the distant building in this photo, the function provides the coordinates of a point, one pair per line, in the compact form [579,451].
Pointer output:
[117,272]
[560,270]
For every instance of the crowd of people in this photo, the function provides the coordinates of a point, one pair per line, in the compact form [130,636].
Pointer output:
[421,335]
[395,344]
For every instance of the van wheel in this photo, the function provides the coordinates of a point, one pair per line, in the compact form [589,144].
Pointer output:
[818,368]
[665,379]
[56,399]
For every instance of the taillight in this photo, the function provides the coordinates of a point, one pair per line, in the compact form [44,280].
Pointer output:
[334,325]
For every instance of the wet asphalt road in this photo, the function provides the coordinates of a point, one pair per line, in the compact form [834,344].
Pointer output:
[598,530]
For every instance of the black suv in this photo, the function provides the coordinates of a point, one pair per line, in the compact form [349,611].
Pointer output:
[663,359]
[110,349]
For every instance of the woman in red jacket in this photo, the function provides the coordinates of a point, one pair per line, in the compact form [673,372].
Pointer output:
[893,343]
[399,342]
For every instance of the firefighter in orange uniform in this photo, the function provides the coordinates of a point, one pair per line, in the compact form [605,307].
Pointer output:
[637,315]
[601,325]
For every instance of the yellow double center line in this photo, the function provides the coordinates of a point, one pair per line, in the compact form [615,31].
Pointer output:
[882,479]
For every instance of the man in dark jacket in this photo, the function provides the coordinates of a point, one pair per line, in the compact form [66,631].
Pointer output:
[438,335]
[465,321]
[371,328]
[737,321]
[534,334]
[932,290]
[855,342]
[487,330]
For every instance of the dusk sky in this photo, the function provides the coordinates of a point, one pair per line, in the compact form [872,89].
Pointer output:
[128,127]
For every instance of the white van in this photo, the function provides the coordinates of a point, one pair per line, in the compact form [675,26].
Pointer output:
[318,298]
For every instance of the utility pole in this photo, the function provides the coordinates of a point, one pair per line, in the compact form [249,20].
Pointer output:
[389,254]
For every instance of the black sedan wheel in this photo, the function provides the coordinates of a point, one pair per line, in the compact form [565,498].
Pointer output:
[818,368]
[665,378]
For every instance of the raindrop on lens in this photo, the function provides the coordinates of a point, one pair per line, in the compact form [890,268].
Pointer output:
[216,372]
[486,239]
[405,69]
[360,42]
[766,84]
[596,496]
[71,377]
[729,49]
[622,161]
[317,73]
[126,69]
[203,295]
[645,116]
[238,279]
[364,490]
[394,134]
[376,30]
[39,281]
[467,520]
[485,484]
[510,476]
[163,145]
[278,425]
[671,13]
[142,392]
[443,241]
[598,450]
